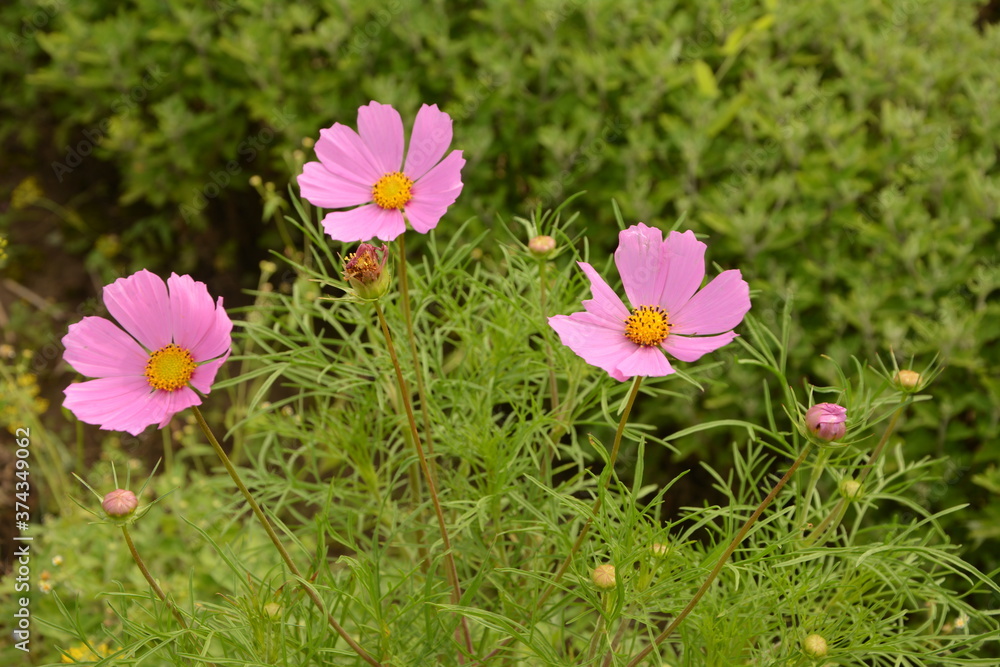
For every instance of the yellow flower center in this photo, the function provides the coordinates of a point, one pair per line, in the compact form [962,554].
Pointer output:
[647,325]
[392,191]
[169,368]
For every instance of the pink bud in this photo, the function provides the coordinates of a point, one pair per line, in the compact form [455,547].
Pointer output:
[120,503]
[542,246]
[827,421]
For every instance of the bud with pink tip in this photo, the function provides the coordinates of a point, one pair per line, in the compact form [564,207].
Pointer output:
[827,421]
[603,576]
[542,246]
[120,503]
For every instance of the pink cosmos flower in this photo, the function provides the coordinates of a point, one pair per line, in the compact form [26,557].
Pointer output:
[661,279]
[366,169]
[173,343]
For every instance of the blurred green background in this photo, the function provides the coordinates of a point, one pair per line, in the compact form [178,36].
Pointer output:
[842,154]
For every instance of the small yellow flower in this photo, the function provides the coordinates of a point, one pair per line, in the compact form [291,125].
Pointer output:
[83,653]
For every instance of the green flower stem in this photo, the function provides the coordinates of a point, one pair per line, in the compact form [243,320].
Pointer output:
[833,519]
[404,296]
[449,558]
[623,626]
[553,386]
[722,559]
[313,595]
[817,472]
[605,480]
[149,578]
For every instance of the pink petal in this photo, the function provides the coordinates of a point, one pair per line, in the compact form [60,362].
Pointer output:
[435,192]
[322,188]
[204,374]
[218,339]
[645,361]
[169,403]
[684,258]
[598,345]
[96,347]
[605,304]
[113,403]
[381,129]
[443,181]
[364,223]
[424,215]
[430,139]
[687,348]
[718,307]
[639,259]
[344,154]
[141,306]
[200,326]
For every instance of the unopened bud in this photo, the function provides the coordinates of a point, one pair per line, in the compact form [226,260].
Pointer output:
[542,246]
[827,421]
[365,271]
[255,181]
[908,380]
[850,489]
[120,503]
[604,576]
[814,646]
[660,550]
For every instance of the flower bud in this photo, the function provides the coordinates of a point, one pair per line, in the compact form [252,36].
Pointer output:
[814,646]
[827,421]
[660,550]
[365,271]
[256,181]
[542,246]
[120,503]
[908,380]
[604,576]
[850,489]
[272,610]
